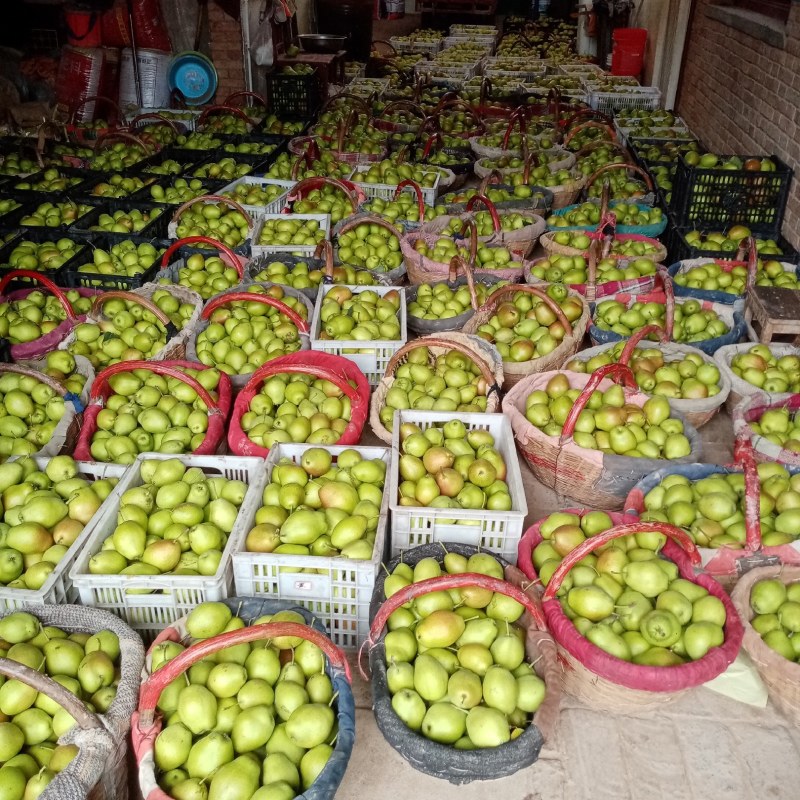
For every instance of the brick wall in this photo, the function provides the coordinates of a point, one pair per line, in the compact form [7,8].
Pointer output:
[226,50]
[742,96]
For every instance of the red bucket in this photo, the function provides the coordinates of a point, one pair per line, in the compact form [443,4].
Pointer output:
[628,54]
[83,28]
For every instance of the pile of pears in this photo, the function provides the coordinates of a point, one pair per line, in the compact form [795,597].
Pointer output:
[711,510]
[627,599]
[176,522]
[446,247]
[315,507]
[215,220]
[346,315]
[206,275]
[128,331]
[242,336]
[123,258]
[780,426]
[146,412]
[296,408]
[122,221]
[255,720]
[693,323]
[525,327]
[447,382]
[302,275]
[290,230]
[574,270]
[45,511]
[370,246]
[688,377]
[441,301]
[456,662]
[608,422]
[36,314]
[760,367]
[42,256]
[87,665]
[451,467]
[776,606]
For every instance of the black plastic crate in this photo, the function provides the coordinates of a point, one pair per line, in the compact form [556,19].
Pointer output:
[74,279]
[300,126]
[142,168]
[85,192]
[294,97]
[10,220]
[155,229]
[78,176]
[680,250]
[38,236]
[54,230]
[725,197]
[144,195]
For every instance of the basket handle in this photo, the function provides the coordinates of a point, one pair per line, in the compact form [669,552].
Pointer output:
[57,387]
[100,300]
[457,262]
[151,689]
[743,454]
[267,300]
[217,198]
[159,368]
[470,227]
[486,90]
[591,114]
[96,98]
[310,148]
[648,181]
[327,248]
[494,177]
[532,161]
[669,291]
[517,117]
[417,190]
[434,341]
[44,281]
[436,139]
[245,94]
[749,247]
[509,288]
[490,207]
[125,136]
[317,182]
[159,120]
[445,583]
[368,219]
[234,110]
[307,158]
[637,337]
[223,249]
[611,371]
[388,45]
[407,105]
[429,122]
[615,147]
[618,531]
[351,99]
[340,381]
[588,126]
[55,691]
[554,102]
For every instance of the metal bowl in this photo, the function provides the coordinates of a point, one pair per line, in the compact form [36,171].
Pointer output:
[321,42]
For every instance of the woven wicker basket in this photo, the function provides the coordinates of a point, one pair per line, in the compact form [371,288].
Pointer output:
[563,160]
[570,344]
[699,411]
[483,354]
[742,389]
[781,676]
[586,476]
[422,269]
[393,277]
[750,409]
[604,682]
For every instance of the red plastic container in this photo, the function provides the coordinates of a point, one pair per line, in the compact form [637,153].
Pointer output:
[83,28]
[627,57]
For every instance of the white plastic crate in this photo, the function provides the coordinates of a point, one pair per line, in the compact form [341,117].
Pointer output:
[259,250]
[387,190]
[368,87]
[453,72]
[509,67]
[487,43]
[647,97]
[170,596]
[274,207]
[498,531]
[184,120]
[340,591]
[588,70]
[423,48]
[373,363]
[58,588]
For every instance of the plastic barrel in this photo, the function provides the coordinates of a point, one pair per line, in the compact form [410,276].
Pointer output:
[153,78]
[628,54]
[351,18]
